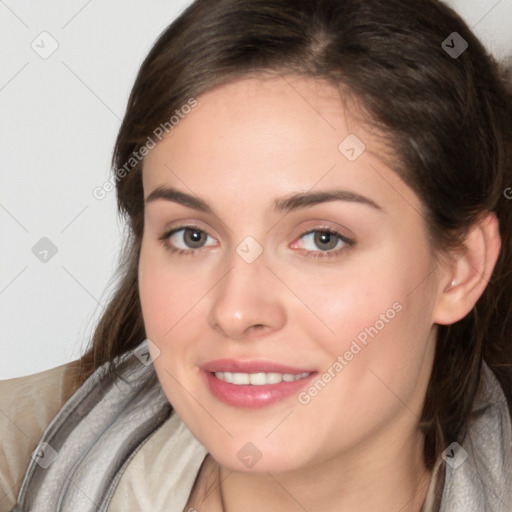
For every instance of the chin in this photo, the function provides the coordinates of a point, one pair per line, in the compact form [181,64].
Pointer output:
[254,458]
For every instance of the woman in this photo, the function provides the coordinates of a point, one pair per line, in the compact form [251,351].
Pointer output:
[314,309]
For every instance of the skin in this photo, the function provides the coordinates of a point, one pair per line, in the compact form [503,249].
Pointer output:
[355,446]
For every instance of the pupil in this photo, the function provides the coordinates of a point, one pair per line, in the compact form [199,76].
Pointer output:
[325,238]
[194,238]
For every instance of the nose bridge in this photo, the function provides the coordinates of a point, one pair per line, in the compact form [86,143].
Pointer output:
[247,296]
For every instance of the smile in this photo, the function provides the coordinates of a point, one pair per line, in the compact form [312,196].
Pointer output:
[253,384]
[260,378]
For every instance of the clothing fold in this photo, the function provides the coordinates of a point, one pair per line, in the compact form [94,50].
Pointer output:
[84,450]
[118,441]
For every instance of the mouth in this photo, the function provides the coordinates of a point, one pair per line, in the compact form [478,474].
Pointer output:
[259,379]
[253,384]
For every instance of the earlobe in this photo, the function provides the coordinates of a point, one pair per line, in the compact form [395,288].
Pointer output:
[466,277]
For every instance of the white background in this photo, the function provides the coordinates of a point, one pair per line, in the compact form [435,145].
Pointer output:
[59,119]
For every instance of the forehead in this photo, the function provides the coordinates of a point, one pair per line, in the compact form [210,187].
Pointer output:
[309,95]
[259,137]
[258,120]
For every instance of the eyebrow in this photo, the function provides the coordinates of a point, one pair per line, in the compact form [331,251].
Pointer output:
[293,202]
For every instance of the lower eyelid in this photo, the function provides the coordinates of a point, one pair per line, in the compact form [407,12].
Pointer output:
[346,242]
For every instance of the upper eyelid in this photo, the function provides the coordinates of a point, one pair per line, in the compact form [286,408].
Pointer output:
[171,231]
[302,233]
[344,238]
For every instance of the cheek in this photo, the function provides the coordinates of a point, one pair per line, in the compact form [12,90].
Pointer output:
[379,313]
[371,295]
[165,301]
[330,309]
[166,295]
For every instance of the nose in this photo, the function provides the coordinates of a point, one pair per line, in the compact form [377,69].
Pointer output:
[248,301]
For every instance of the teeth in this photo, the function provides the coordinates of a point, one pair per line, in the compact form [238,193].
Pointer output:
[259,379]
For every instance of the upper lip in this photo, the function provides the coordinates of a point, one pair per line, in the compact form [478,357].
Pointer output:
[250,366]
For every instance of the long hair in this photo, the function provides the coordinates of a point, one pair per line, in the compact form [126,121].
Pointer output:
[447,117]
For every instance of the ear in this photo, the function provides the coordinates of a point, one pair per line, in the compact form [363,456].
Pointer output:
[465,277]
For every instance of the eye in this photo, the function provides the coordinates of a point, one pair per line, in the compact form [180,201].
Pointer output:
[324,242]
[185,239]
[320,242]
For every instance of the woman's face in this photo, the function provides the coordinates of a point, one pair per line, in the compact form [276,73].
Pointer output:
[253,283]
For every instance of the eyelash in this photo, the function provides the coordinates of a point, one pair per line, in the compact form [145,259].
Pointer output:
[310,254]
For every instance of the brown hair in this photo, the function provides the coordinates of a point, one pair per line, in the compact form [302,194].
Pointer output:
[448,119]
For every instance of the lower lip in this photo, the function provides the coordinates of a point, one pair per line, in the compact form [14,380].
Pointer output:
[250,396]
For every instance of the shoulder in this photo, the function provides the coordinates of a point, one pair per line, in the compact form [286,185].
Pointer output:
[478,469]
[27,406]
[163,471]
